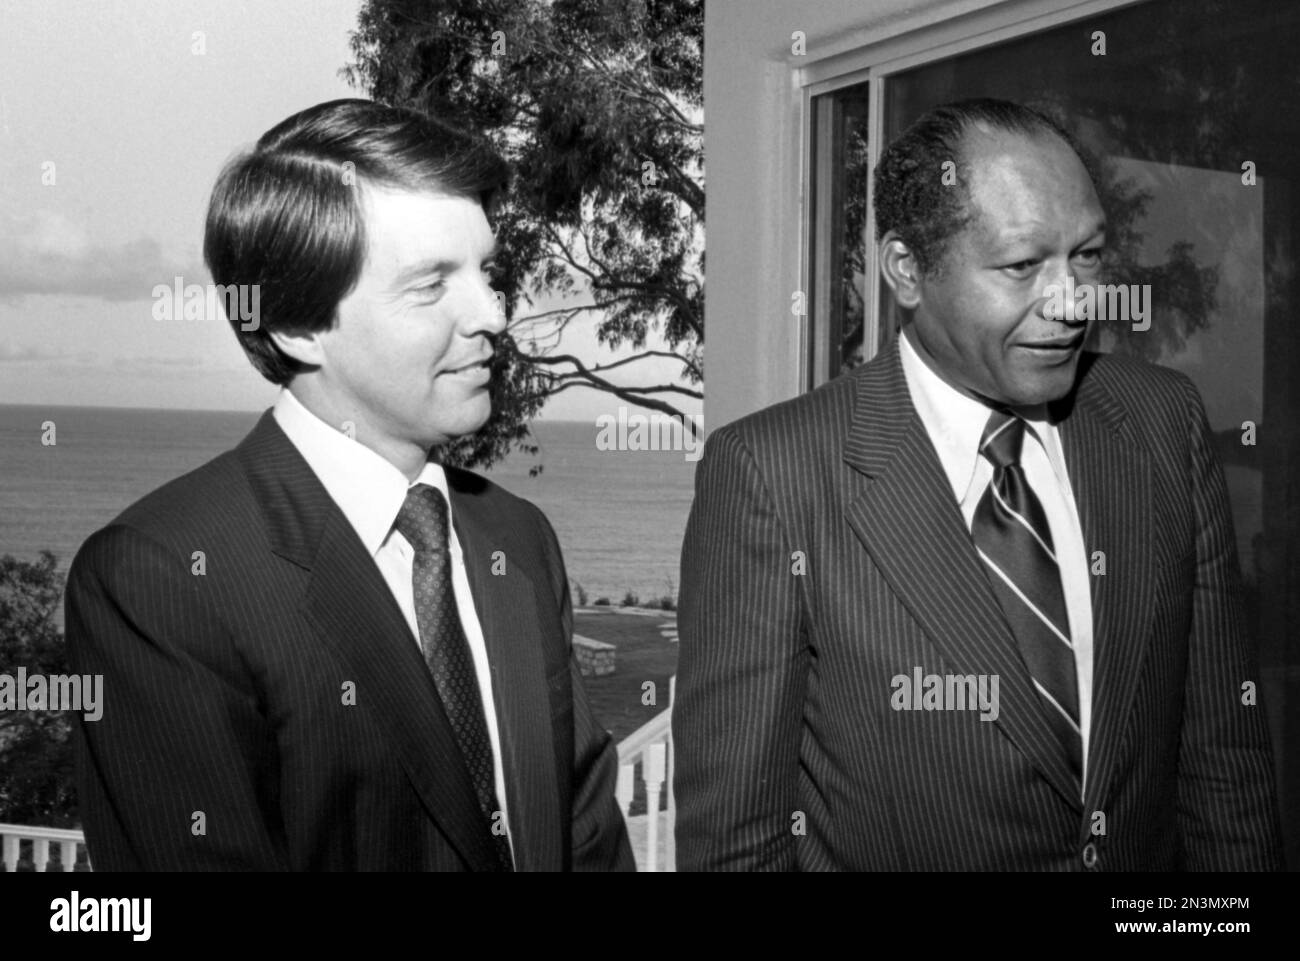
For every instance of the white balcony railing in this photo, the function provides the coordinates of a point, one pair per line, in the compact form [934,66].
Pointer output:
[12,836]
[650,747]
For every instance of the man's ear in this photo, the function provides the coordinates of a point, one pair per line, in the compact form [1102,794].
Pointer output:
[899,268]
[303,347]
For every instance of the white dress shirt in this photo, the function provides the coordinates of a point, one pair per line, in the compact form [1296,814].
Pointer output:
[955,424]
[370,492]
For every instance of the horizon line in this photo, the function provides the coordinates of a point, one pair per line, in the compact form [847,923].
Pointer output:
[216,410]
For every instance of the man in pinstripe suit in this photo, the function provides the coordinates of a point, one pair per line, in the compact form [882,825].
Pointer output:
[984,508]
[323,650]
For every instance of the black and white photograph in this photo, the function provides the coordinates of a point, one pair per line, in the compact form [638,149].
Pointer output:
[369,501]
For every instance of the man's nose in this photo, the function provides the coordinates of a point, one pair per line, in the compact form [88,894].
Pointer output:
[486,310]
[1059,292]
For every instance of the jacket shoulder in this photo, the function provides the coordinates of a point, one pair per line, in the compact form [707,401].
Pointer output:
[1141,388]
[490,496]
[800,422]
[200,507]
[194,500]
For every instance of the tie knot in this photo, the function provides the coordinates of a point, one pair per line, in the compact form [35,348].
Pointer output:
[423,519]
[1003,436]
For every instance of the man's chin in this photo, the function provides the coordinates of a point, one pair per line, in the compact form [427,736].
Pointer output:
[1035,391]
[465,427]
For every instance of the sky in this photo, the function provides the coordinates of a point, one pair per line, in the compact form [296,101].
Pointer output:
[115,118]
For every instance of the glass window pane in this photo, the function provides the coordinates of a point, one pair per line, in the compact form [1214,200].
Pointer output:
[839,189]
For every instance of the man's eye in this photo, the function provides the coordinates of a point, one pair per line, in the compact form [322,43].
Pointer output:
[1090,256]
[1021,268]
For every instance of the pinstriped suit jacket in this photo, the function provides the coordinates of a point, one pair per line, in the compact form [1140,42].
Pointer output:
[225,693]
[790,755]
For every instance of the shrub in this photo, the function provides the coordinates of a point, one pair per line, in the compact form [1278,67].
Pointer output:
[36,750]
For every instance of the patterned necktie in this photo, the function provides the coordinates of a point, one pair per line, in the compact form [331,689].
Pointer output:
[1014,541]
[423,522]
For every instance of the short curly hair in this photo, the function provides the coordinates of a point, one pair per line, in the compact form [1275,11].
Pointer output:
[909,195]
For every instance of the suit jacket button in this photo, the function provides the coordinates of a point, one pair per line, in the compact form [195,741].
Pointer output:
[1090,856]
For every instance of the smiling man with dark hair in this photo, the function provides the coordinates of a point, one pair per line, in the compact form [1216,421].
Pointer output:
[983,500]
[323,650]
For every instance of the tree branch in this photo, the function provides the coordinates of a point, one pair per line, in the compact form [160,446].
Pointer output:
[582,371]
[548,359]
[650,402]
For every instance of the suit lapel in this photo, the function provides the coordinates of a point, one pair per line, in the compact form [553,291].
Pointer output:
[1111,476]
[348,605]
[909,522]
[508,612]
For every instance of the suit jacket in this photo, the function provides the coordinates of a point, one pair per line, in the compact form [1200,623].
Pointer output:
[269,691]
[825,555]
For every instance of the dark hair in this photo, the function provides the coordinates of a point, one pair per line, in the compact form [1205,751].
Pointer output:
[909,193]
[287,216]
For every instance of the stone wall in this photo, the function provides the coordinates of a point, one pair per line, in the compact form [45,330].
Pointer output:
[595,658]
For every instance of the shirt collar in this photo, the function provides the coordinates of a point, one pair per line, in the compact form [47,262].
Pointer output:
[956,422]
[367,488]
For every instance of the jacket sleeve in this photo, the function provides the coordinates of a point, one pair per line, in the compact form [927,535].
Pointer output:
[742,671]
[1226,797]
[178,772]
[599,831]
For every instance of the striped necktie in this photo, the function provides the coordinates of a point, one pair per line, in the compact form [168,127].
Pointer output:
[423,522]
[1015,543]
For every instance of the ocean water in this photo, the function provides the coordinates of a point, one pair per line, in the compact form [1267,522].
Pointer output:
[619,515]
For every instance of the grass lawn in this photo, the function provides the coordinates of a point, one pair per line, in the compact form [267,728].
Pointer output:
[643,655]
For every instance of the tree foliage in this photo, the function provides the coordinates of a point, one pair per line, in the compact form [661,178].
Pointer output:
[37,777]
[598,106]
